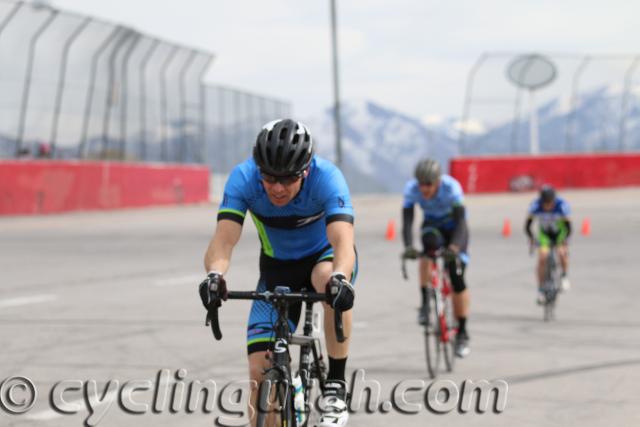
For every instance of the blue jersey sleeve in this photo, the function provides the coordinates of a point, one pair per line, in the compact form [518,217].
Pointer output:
[534,207]
[456,196]
[563,208]
[234,203]
[337,200]
[409,195]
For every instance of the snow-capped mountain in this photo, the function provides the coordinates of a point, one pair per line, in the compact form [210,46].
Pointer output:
[380,146]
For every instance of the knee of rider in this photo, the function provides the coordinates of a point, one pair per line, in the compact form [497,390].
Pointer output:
[255,373]
[458,285]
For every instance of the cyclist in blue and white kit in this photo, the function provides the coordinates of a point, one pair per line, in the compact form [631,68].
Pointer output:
[301,207]
[444,225]
[552,213]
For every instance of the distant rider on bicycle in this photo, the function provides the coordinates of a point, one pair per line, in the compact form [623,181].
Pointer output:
[552,213]
[444,224]
[301,207]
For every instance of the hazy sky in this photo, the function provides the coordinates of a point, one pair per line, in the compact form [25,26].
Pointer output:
[410,55]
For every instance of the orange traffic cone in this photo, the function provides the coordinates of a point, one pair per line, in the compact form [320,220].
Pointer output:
[506,228]
[391,230]
[586,227]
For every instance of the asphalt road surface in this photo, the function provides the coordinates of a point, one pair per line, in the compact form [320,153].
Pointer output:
[88,299]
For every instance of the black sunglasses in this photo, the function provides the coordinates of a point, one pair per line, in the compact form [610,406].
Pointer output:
[284,180]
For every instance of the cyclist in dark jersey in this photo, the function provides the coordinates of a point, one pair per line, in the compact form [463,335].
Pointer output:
[301,207]
[552,213]
[444,225]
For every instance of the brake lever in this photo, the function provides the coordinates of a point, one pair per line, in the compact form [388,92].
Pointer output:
[404,267]
[212,319]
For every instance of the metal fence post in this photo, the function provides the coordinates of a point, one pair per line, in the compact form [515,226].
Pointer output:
[163,103]
[467,100]
[27,79]
[183,104]
[61,82]
[143,96]
[628,80]
[124,95]
[575,86]
[7,19]
[82,146]
[204,153]
[106,120]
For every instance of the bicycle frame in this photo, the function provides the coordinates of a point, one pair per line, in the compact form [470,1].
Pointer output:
[550,284]
[441,286]
[438,331]
[279,374]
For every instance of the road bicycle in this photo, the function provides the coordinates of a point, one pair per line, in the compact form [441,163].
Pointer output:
[439,333]
[277,392]
[551,283]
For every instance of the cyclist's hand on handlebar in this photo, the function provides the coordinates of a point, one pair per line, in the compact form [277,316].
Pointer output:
[410,253]
[213,289]
[340,292]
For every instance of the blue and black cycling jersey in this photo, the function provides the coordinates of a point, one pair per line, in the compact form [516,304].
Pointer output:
[444,213]
[438,211]
[554,224]
[298,229]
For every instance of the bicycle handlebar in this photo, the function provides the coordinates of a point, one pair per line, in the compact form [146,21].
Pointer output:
[272,297]
[440,253]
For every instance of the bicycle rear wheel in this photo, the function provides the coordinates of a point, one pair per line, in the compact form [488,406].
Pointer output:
[432,335]
[550,288]
[275,402]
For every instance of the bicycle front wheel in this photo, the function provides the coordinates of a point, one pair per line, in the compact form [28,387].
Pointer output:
[448,334]
[432,335]
[275,402]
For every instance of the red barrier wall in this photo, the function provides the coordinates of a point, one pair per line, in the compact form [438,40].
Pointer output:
[37,187]
[496,174]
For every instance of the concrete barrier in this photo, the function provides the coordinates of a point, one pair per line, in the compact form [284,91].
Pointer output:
[524,173]
[42,187]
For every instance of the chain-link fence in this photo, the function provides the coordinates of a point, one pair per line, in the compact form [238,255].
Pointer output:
[76,87]
[591,106]
[73,86]
[234,119]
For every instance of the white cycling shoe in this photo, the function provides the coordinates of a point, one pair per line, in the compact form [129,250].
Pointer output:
[565,284]
[333,405]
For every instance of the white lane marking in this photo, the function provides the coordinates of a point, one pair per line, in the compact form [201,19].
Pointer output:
[35,299]
[180,281]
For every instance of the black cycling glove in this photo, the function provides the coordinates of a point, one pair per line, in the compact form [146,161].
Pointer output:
[340,292]
[410,253]
[213,289]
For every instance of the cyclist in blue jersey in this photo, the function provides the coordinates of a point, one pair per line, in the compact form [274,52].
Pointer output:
[301,207]
[552,213]
[444,225]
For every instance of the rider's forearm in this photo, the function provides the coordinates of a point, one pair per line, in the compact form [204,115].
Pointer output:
[458,235]
[567,223]
[218,257]
[527,227]
[221,246]
[407,225]
[340,235]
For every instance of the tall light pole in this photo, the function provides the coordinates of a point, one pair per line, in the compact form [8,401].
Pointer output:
[336,85]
